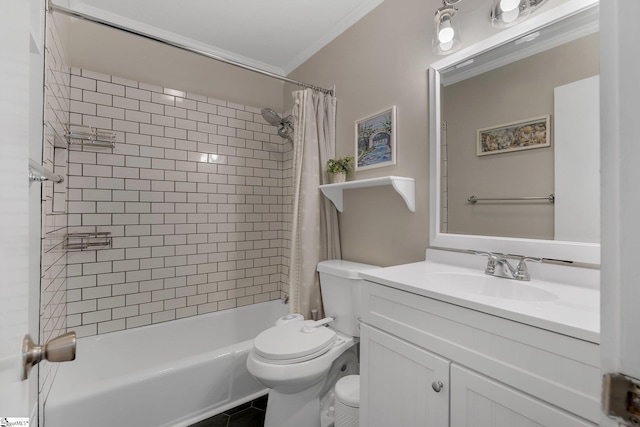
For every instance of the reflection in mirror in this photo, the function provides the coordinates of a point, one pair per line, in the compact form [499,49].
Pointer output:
[539,118]
[521,91]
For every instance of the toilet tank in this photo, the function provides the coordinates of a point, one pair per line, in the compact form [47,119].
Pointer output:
[341,293]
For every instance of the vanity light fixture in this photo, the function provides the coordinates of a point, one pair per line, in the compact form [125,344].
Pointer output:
[506,13]
[446,36]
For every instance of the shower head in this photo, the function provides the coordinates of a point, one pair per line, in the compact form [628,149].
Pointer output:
[271,117]
[284,129]
[284,124]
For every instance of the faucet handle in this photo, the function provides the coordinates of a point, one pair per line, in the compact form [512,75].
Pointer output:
[483,253]
[522,273]
[491,263]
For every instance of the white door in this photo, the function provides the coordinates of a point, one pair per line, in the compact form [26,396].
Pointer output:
[397,380]
[21,35]
[620,188]
[577,176]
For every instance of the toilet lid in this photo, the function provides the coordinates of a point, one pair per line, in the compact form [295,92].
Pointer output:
[288,343]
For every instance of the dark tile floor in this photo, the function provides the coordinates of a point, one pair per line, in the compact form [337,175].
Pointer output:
[250,414]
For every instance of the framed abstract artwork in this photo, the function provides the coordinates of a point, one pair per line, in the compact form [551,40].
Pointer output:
[515,136]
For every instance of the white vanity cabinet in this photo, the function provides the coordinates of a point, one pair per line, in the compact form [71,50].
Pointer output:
[494,372]
[396,382]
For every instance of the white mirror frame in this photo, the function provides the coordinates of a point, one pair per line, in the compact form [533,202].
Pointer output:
[588,253]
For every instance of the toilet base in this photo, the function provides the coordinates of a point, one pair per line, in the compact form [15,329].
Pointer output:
[303,409]
[293,410]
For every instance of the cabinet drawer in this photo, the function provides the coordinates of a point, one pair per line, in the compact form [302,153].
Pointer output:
[555,368]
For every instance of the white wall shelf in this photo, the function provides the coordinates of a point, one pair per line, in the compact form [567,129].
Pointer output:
[406,187]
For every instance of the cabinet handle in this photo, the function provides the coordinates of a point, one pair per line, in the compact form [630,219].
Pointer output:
[437,386]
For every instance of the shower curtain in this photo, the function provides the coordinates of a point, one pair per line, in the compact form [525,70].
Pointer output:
[315,236]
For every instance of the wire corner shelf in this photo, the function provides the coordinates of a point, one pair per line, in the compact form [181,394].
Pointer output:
[88,241]
[90,136]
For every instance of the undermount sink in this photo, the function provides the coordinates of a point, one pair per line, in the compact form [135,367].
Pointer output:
[489,286]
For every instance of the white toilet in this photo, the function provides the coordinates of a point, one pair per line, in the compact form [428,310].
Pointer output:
[301,361]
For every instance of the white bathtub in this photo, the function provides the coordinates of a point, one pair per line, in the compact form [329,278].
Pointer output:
[169,374]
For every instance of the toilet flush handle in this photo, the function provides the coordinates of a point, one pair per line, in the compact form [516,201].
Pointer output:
[311,327]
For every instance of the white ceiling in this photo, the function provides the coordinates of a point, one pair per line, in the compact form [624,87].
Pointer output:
[274,35]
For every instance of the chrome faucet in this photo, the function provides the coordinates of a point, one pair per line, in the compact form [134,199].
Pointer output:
[498,265]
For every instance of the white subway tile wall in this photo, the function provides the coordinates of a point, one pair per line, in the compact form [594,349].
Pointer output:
[53,283]
[197,196]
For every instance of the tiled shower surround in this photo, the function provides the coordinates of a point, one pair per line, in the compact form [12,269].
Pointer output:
[195,196]
[53,265]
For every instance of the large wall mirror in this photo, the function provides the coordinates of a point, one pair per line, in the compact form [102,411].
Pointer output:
[515,140]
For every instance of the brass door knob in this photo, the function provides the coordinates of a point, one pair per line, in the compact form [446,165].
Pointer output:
[59,349]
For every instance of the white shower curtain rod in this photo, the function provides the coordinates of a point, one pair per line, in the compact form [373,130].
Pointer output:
[90,18]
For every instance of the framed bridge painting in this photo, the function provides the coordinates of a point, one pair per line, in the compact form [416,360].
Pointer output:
[376,140]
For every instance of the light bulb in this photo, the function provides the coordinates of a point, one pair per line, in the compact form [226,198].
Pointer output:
[446,37]
[445,47]
[509,5]
[446,33]
[510,16]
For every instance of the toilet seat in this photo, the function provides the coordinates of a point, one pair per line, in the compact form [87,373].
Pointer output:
[288,343]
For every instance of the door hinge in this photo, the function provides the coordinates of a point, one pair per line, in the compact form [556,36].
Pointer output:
[621,398]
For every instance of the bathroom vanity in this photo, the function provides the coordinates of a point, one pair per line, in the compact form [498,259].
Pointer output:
[445,345]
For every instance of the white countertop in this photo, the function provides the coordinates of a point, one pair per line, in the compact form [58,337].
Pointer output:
[565,309]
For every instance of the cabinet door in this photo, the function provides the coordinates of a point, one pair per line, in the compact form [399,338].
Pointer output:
[477,401]
[396,379]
